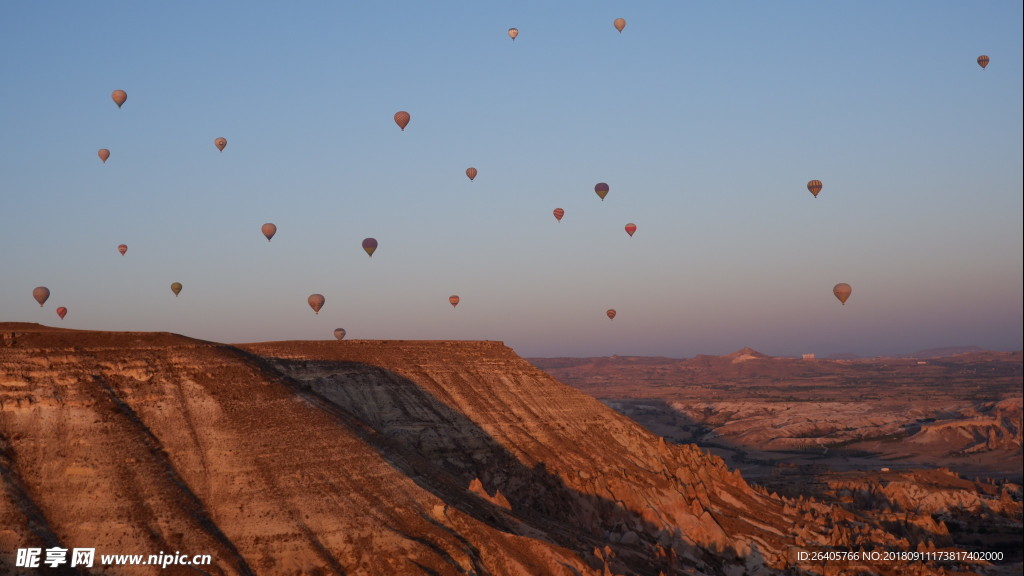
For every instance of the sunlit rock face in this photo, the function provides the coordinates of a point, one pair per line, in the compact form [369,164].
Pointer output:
[371,457]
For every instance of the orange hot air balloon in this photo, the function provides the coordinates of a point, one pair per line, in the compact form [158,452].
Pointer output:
[220,143]
[119,96]
[370,245]
[402,119]
[512,33]
[630,228]
[316,302]
[471,172]
[104,154]
[269,230]
[453,300]
[814,186]
[983,61]
[41,293]
[176,288]
[620,23]
[611,314]
[62,312]
[601,189]
[842,291]
[122,248]
[558,212]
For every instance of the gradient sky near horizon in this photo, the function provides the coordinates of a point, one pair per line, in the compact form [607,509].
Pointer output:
[706,120]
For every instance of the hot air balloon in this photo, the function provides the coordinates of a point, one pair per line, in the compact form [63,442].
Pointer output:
[370,245]
[122,248]
[269,230]
[558,212]
[842,291]
[453,300]
[630,228]
[471,172]
[41,293]
[601,189]
[119,96]
[512,33]
[176,288]
[104,154]
[611,314]
[402,119]
[62,312]
[316,302]
[620,23]
[983,61]
[339,333]
[220,143]
[814,186]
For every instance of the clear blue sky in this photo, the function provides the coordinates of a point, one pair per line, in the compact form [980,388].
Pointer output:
[706,119]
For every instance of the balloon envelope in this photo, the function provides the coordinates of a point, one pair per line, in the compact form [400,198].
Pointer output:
[269,230]
[611,314]
[453,300]
[176,288]
[104,154]
[814,186]
[471,172]
[602,189]
[41,293]
[122,249]
[62,312]
[558,212]
[620,23]
[983,61]
[513,32]
[119,96]
[339,333]
[842,291]
[402,119]
[316,302]
[220,143]
[630,228]
[370,245]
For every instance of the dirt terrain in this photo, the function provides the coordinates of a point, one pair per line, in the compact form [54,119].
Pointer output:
[405,457]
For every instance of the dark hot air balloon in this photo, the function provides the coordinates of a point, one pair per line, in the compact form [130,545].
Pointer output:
[220,143]
[453,300]
[269,230]
[471,172]
[558,212]
[370,245]
[119,96]
[842,291]
[620,23]
[630,228]
[104,154]
[512,33]
[339,333]
[316,302]
[176,288]
[41,293]
[601,189]
[983,61]
[62,312]
[814,186]
[122,248]
[611,314]
[402,119]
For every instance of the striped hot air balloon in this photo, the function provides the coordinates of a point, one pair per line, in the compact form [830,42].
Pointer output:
[983,61]
[558,212]
[611,314]
[471,173]
[630,229]
[814,186]
[453,300]
[601,189]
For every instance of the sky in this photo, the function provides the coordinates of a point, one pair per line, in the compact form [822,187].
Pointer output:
[706,120]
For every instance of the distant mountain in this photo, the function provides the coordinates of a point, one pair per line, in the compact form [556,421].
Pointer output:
[942,352]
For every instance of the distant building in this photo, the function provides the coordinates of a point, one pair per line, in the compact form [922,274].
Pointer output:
[809,356]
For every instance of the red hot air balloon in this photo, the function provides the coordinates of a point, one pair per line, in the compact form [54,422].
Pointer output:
[220,143]
[370,245]
[41,293]
[402,119]
[611,314]
[620,23]
[119,96]
[512,33]
[630,228]
[103,154]
[558,212]
[122,248]
[842,291]
[268,229]
[453,300]
[316,302]
[471,172]
[601,189]
[814,186]
[62,312]
[983,61]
